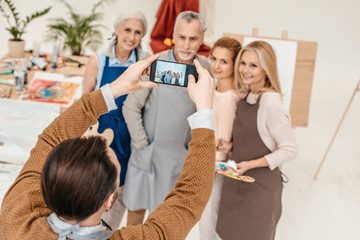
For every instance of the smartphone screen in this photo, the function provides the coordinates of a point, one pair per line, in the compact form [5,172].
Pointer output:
[172,73]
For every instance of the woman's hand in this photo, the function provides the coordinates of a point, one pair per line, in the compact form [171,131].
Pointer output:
[245,166]
[224,146]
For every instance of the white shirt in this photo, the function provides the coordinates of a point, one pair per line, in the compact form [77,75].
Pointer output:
[274,126]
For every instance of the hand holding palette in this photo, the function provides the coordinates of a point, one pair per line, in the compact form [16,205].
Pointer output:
[228,169]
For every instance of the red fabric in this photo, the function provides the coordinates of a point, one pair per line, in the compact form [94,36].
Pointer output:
[164,26]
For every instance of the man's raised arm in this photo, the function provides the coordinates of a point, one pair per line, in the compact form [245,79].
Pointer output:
[23,209]
[183,207]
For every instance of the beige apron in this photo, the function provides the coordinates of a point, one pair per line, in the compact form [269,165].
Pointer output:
[250,211]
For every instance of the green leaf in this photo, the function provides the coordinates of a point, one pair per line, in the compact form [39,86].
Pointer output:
[17,28]
[37,14]
[77,31]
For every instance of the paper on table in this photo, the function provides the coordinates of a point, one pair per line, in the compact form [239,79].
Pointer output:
[50,91]
[21,123]
[54,88]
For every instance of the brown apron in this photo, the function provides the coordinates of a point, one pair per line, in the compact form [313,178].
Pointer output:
[250,210]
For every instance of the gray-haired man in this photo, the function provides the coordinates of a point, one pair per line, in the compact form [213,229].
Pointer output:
[156,120]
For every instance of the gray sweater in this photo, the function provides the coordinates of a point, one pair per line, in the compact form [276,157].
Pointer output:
[136,104]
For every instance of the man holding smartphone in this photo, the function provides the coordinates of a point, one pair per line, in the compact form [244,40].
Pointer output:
[45,202]
[156,120]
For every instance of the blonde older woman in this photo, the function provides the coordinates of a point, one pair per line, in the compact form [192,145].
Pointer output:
[262,140]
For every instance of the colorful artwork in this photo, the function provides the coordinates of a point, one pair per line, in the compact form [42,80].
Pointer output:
[223,168]
[51,91]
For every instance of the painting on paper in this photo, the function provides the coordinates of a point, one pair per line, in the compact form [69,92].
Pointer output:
[51,91]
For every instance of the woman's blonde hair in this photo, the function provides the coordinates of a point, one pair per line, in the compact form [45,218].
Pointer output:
[267,60]
[130,14]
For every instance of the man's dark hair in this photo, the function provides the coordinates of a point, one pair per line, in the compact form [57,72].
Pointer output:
[78,176]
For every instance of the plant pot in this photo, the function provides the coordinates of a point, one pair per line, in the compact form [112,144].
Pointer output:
[16,48]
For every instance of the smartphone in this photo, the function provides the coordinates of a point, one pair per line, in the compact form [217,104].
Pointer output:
[172,73]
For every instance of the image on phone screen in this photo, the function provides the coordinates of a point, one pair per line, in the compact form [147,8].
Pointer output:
[171,73]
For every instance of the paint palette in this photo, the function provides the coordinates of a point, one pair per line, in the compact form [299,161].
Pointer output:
[223,168]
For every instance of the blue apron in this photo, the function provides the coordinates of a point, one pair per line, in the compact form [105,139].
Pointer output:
[115,120]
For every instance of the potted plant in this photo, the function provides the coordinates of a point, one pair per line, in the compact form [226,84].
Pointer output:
[17,26]
[77,31]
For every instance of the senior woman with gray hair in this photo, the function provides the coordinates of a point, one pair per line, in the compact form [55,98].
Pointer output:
[104,67]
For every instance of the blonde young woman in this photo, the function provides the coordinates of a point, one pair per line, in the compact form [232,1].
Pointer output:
[262,140]
[103,68]
[226,97]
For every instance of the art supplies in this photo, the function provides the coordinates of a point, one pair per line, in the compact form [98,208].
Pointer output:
[51,91]
[9,71]
[8,81]
[4,65]
[40,62]
[6,91]
[19,80]
[73,63]
[227,169]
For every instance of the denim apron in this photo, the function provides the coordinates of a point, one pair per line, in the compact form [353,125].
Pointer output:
[115,120]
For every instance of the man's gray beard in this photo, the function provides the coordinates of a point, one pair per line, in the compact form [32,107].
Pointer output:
[186,59]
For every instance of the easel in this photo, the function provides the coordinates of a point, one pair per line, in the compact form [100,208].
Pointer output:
[255,31]
[357,89]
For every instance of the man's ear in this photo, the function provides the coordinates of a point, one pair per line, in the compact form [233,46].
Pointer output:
[108,133]
[108,202]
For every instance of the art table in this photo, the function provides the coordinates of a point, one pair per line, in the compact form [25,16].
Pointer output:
[20,124]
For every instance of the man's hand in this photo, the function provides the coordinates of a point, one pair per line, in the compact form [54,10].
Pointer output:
[201,93]
[130,81]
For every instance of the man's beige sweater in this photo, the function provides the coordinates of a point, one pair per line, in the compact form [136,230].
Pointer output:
[23,211]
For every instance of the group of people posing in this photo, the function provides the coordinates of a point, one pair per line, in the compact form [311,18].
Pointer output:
[152,136]
[170,77]
[252,127]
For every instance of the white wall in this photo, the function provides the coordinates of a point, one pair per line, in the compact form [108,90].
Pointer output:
[333,24]
[37,28]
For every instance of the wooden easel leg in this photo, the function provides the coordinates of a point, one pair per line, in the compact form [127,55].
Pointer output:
[255,32]
[337,130]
